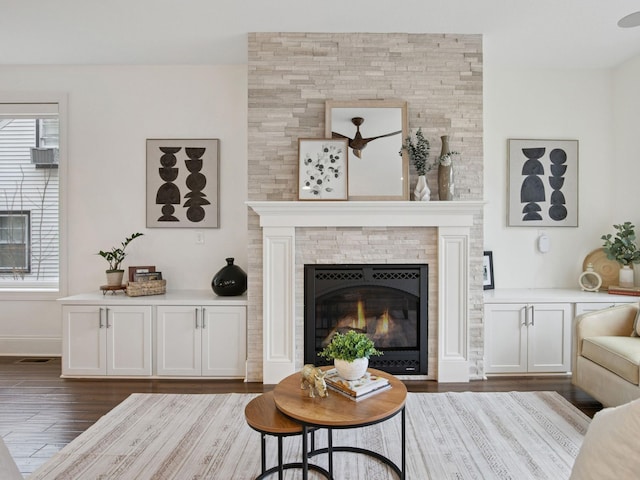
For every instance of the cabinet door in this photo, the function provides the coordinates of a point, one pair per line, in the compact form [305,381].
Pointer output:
[584,307]
[505,338]
[84,340]
[178,341]
[129,340]
[224,341]
[549,343]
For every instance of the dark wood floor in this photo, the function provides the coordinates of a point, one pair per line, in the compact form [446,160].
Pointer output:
[40,412]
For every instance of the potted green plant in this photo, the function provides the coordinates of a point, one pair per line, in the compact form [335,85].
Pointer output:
[623,249]
[350,353]
[114,257]
[418,152]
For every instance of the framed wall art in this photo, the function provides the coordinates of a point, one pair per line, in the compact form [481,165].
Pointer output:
[375,130]
[322,169]
[182,183]
[543,183]
[487,271]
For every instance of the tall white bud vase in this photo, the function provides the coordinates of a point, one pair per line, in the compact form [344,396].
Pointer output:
[422,192]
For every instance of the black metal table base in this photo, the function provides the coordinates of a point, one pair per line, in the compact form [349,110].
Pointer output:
[281,467]
[306,466]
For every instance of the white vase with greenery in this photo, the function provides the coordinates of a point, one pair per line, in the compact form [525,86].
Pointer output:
[623,249]
[418,152]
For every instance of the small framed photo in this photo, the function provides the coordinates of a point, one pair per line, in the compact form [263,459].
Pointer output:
[487,271]
[322,169]
[136,270]
[147,277]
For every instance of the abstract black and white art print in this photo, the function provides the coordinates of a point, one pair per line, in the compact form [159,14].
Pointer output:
[182,183]
[543,183]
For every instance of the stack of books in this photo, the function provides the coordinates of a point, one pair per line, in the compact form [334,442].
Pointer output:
[617,290]
[356,390]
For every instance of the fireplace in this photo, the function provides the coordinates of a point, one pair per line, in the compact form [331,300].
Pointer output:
[388,302]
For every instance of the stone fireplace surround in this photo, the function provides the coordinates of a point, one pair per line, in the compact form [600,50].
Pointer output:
[279,221]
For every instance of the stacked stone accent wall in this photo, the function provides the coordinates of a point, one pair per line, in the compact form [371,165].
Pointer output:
[291,76]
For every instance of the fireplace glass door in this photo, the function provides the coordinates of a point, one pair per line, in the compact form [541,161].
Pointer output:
[386,302]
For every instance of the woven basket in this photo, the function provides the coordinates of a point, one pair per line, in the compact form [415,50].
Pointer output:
[151,287]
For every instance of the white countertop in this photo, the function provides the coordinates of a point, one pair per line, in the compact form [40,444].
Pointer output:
[552,295]
[172,297]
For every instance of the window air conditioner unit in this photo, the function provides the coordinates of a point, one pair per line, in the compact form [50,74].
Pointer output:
[44,157]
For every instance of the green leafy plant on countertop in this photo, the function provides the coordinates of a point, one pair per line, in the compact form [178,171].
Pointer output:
[116,255]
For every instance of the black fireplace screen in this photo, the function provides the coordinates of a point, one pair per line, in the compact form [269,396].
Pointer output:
[387,302]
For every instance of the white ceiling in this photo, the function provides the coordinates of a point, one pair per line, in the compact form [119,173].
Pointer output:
[520,33]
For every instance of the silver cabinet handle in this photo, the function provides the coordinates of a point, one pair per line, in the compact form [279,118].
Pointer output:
[100,325]
[203,319]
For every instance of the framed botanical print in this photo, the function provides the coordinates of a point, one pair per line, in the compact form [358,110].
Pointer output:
[322,169]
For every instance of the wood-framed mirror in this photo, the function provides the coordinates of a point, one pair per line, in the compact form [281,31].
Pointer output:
[377,171]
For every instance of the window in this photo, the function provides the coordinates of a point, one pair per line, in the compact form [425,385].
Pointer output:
[14,243]
[29,197]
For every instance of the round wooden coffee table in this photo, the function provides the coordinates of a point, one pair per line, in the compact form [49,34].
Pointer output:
[337,411]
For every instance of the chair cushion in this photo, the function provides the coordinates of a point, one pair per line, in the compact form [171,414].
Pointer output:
[609,450]
[621,355]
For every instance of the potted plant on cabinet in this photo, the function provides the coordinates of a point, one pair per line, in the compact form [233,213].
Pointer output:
[623,249]
[114,257]
[350,353]
[419,154]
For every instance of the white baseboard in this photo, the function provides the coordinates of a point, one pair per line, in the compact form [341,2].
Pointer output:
[31,346]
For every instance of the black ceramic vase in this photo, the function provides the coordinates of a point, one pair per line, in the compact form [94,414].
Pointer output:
[230,280]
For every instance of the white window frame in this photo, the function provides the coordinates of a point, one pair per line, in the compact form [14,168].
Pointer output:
[34,99]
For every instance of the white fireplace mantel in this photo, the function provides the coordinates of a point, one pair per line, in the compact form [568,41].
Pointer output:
[279,221]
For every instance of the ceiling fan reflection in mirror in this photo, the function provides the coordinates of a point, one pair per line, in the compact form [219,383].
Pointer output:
[631,20]
[358,143]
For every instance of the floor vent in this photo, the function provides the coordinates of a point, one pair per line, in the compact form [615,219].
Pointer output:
[34,360]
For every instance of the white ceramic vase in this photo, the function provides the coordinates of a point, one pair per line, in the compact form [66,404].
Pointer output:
[422,192]
[626,276]
[351,370]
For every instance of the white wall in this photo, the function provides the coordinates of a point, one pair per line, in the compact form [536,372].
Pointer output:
[112,111]
[554,104]
[626,101]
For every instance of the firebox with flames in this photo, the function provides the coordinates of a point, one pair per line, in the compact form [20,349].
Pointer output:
[385,329]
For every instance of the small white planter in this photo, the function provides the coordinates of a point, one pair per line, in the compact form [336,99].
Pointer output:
[351,370]
[114,278]
[625,277]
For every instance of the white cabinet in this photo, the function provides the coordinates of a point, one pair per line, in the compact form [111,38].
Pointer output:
[590,307]
[201,341]
[181,333]
[106,340]
[528,338]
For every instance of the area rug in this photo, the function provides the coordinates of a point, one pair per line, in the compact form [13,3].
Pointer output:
[515,435]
